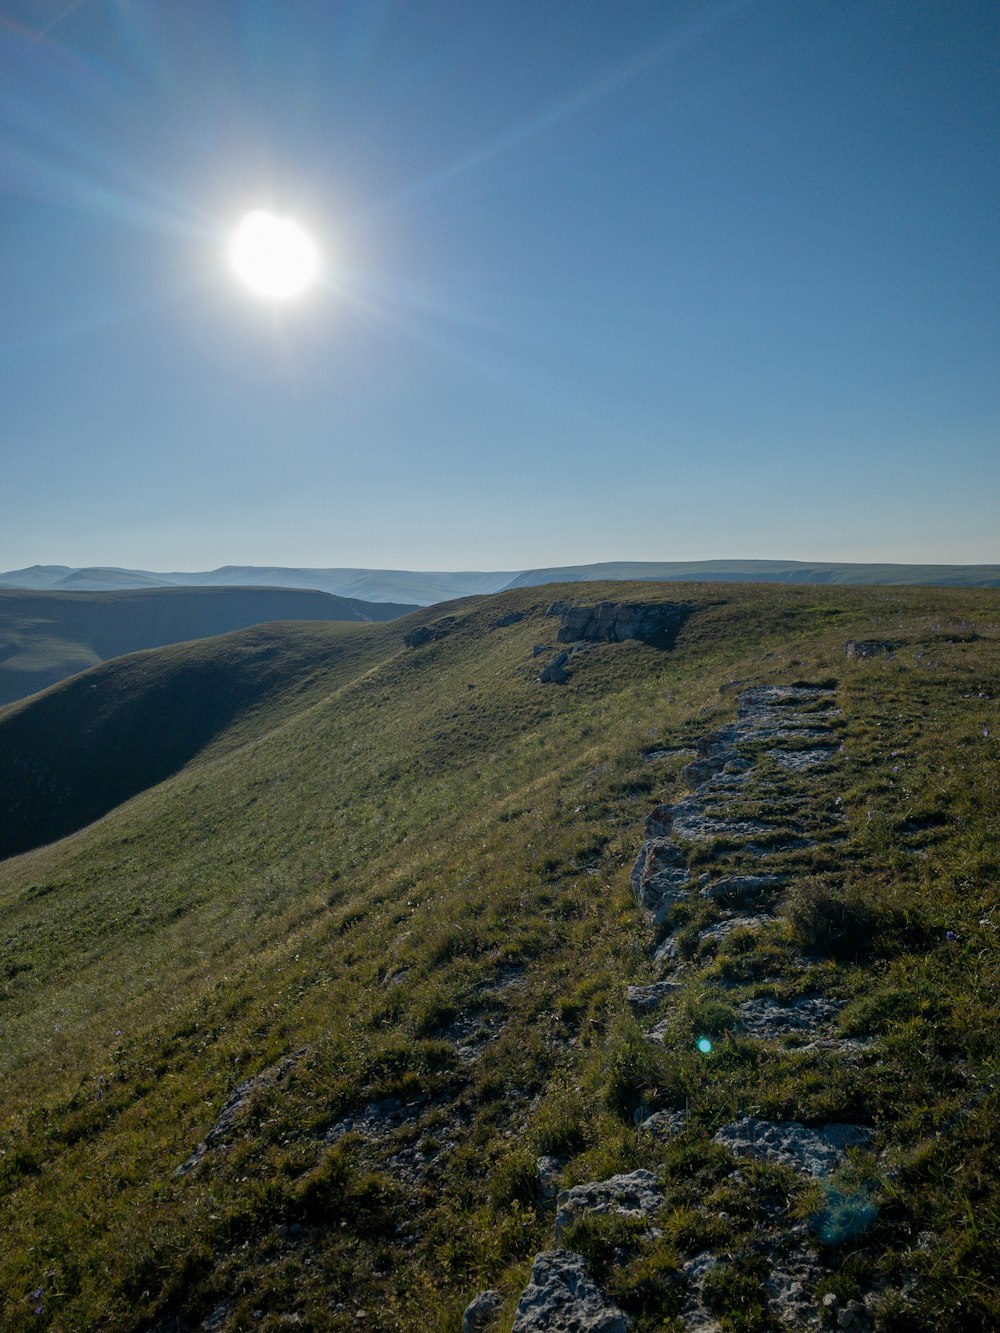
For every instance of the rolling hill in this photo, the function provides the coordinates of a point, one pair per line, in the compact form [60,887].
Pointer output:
[391,975]
[46,636]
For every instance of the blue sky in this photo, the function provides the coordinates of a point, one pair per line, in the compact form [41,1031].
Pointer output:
[602,280]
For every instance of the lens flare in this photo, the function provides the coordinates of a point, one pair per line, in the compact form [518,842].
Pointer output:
[704,1045]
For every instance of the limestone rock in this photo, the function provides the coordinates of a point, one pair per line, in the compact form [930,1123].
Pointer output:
[232,1109]
[436,629]
[816,1151]
[656,623]
[511,618]
[660,878]
[553,673]
[767,1019]
[481,1311]
[796,761]
[862,648]
[663,1125]
[737,889]
[647,999]
[634,1195]
[548,1170]
[561,1297]
[660,821]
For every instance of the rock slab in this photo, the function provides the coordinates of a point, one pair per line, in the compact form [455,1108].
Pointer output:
[636,1195]
[816,1151]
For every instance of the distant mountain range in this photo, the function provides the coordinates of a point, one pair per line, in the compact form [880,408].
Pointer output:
[424,588]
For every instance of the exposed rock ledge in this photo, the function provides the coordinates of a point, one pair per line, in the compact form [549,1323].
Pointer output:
[655,623]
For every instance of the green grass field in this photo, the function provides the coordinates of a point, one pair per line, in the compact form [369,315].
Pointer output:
[382,895]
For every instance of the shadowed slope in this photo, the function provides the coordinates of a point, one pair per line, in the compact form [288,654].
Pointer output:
[72,753]
[47,636]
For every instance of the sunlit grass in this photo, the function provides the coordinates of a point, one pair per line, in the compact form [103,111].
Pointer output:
[400,839]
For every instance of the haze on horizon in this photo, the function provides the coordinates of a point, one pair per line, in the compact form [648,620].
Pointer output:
[706,280]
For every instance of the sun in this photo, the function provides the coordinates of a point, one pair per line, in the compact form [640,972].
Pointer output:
[275,257]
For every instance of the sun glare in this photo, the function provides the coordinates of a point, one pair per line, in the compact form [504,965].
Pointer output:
[274,256]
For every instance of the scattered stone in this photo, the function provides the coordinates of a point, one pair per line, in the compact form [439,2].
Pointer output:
[540,649]
[647,999]
[663,1125]
[548,1169]
[660,821]
[815,1151]
[561,1297]
[714,934]
[791,1285]
[552,673]
[376,1119]
[858,649]
[511,618]
[796,761]
[766,1019]
[697,1316]
[634,1195]
[656,623]
[437,629]
[481,1311]
[235,1104]
[736,889]
[652,755]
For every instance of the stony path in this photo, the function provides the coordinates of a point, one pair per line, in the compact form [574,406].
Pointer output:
[749,783]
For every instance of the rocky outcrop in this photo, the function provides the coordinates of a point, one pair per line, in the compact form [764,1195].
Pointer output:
[436,629]
[561,1297]
[655,623]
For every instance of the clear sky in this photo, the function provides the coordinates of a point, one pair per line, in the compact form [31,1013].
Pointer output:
[602,279]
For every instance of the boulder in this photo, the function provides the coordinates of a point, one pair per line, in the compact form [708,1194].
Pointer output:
[561,1297]
[553,672]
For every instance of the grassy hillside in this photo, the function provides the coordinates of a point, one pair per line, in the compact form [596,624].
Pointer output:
[286,1034]
[47,636]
